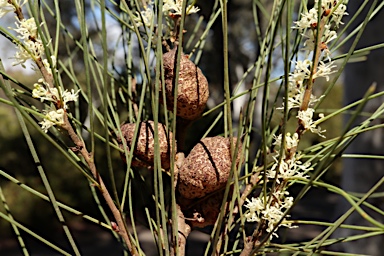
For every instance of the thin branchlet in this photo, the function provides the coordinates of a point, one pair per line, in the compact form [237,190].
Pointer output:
[46,90]
[269,210]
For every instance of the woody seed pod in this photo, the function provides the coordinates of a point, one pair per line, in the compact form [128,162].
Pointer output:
[207,167]
[204,213]
[145,143]
[192,90]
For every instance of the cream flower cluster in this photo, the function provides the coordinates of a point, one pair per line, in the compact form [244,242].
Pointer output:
[285,167]
[59,97]
[52,117]
[269,208]
[336,10]
[145,17]
[174,7]
[5,7]
[306,119]
[288,166]
[32,46]
[331,14]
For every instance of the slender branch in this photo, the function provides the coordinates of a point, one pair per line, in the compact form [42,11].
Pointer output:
[253,243]
[18,11]
[121,227]
[81,148]
[183,232]
[39,61]
[47,76]
[308,89]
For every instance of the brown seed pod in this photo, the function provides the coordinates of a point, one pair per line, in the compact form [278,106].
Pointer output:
[145,143]
[206,168]
[204,213]
[192,90]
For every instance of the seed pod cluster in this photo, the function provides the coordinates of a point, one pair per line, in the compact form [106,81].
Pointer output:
[202,173]
[192,90]
[207,167]
[144,150]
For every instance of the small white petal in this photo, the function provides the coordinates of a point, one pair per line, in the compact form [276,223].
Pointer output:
[53,117]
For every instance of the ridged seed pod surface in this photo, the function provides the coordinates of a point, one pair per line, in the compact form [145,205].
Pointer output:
[145,144]
[193,89]
[206,168]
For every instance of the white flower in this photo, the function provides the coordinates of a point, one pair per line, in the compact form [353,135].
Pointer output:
[49,94]
[329,34]
[326,4]
[295,98]
[21,56]
[309,44]
[32,47]
[307,20]
[277,139]
[274,213]
[48,66]
[338,10]
[54,95]
[324,70]
[296,89]
[338,14]
[6,7]
[255,206]
[175,6]
[291,141]
[40,92]
[296,79]
[288,168]
[302,71]
[305,117]
[36,48]
[69,96]
[304,66]
[30,50]
[145,16]
[192,9]
[26,29]
[53,117]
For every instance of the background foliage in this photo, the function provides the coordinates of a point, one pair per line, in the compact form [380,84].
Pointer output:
[101,52]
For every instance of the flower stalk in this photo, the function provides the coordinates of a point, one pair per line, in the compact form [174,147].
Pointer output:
[310,81]
[270,209]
